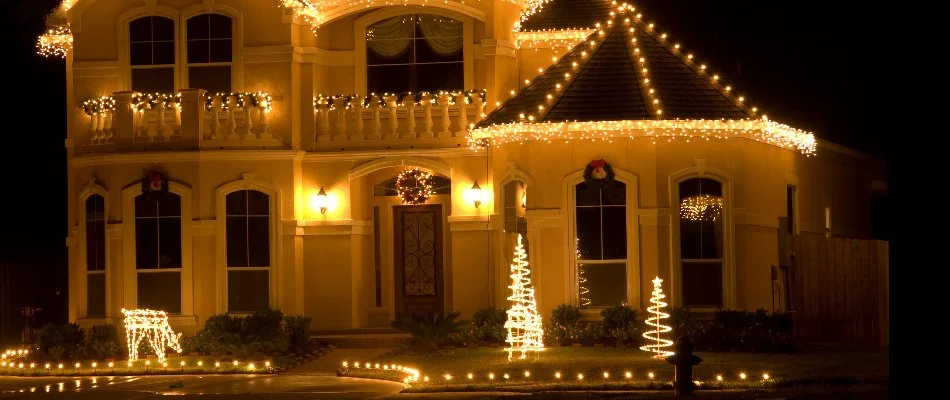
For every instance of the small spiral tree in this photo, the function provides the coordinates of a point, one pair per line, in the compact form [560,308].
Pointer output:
[655,342]
[582,290]
[525,332]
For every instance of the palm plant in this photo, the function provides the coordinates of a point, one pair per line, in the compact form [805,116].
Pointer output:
[431,330]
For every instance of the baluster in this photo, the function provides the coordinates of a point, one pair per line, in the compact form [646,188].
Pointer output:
[106,126]
[479,107]
[375,106]
[356,103]
[462,105]
[231,123]
[427,117]
[262,131]
[446,123]
[176,117]
[410,118]
[151,127]
[95,132]
[160,118]
[213,112]
[339,105]
[393,118]
[323,120]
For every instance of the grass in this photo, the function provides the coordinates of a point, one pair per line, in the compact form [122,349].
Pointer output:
[837,367]
[174,367]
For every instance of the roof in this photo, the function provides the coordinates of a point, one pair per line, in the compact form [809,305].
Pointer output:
[609,82]
[567,14]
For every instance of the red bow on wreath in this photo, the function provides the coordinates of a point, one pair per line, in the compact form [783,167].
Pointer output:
[155,181]
[598,163]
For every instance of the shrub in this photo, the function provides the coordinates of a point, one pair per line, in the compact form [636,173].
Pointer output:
[297,330]
[464,338]
[566,315]
[563,328]
[259,332]
[61,342]
[734,330]
[620,324]
[488,324]
[103,342]
[429,331]
[588,334]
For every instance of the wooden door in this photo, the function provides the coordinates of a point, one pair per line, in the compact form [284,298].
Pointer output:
[418,259]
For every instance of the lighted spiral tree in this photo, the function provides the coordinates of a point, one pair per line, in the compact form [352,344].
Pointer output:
[582,289]
[525,333]
[655,341]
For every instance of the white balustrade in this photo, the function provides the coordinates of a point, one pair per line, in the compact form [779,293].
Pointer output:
[237,116]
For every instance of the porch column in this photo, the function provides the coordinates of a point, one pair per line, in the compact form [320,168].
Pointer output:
[470,238]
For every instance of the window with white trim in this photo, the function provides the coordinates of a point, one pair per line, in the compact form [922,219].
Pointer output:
[414,52]
[601,244]
[701,242]
[248,250]
[210,52]
[158,251]
[95,256]
[152,54]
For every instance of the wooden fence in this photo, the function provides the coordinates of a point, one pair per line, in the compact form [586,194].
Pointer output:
[840,289]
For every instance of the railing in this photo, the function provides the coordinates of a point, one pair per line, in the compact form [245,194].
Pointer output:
[220,119]
[424,115]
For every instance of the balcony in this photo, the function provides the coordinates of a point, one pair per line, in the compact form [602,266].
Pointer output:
[406,120]
[187,120]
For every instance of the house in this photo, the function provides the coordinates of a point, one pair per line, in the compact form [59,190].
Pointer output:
[354,160]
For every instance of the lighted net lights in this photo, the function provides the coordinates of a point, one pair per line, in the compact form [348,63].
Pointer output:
[760,130]
[402,99]
[152,326]
[701,208]
[551,38]
[414,186]
[56,42]
[525,332]
[655,342]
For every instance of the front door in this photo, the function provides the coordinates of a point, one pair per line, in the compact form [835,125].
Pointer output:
[418,259]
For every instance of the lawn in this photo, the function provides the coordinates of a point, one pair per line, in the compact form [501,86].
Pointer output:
[190,365]
[813,366]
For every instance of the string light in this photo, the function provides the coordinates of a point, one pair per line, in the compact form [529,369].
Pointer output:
[525,332]
[150,325]
[551,38]
[57,40]
[582,291]
[659,344]
[702,207]
[419,190]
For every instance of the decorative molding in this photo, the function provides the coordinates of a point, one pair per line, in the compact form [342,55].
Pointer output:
[466,223]
[654,216]
[168,157]
[367,168]
[544,218]
[328,227]
[498,47]
[203,227]
[700,166]
[96,69]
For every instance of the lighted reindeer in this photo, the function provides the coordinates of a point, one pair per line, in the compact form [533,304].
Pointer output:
[149,325]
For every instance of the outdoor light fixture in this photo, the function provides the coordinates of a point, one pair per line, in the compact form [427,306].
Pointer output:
[524,199]
[475,194]
[320,200]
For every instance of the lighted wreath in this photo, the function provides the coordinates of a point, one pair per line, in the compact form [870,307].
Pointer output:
[599,173]
[414,186]
[701,208]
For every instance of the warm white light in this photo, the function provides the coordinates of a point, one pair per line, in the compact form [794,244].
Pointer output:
[650,375]
[655,342]
[557,375]
[702,207]
[525,332]
[765,376]
[628,375]
[151,326]
[470,376]
[320,201]
[474,194]
[742,375]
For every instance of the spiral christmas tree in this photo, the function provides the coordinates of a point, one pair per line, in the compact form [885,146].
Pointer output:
[524,323]
[656,343]
[582,290]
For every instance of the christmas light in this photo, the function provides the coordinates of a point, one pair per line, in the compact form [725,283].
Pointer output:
[551,38]
[57,41]
[582,290]
[701,208]
[150,325]
[525,332]
[742,375]
[419,190]
[659,344]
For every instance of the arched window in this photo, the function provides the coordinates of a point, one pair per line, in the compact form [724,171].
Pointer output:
[601,244]
[152,54]
[95,256]
[158,251]
[248,250]
[209,52]
[415,52]
[701,242]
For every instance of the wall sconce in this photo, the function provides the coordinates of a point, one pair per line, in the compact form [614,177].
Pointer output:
[524,199]
[321,200]
[475,194]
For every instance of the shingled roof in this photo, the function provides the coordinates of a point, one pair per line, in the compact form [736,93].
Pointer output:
[608,84]
[567,14]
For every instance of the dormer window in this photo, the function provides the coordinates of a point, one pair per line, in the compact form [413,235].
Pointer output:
[209,52]
[415,52]
[152,54]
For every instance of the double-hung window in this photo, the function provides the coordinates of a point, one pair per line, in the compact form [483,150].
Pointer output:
[601,244]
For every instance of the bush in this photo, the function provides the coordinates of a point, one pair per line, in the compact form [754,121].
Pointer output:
[488,324]
[588,334]
[257,333]
[429,331]
[566,315]
[61,342]
[103,342]
[734,330]
[297,330]
[620,324]
[563,328]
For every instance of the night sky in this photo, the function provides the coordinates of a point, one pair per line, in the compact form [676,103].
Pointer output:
[816,65]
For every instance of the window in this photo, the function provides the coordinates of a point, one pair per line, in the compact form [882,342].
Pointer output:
[248,250]
[158,251]
[95,256]
[417,52]
[209,52]
[601,244]
[701,208]
[152,54]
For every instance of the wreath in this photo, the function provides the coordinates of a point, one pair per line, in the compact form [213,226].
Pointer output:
[599,174]
[154,183]
[413,186]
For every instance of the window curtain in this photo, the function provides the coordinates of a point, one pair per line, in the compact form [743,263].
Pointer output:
[443,35]
[392,37]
